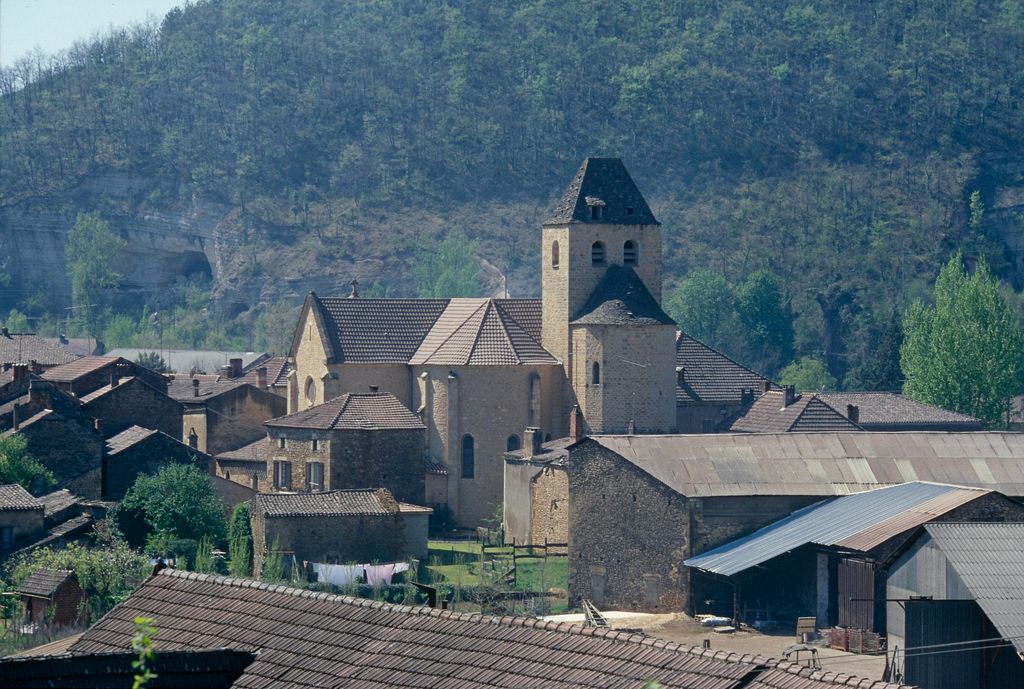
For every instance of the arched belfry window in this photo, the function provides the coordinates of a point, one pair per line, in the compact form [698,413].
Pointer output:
[512,444]
[597,253]
[468,456]
[595,373]
[629,253]
[554,254]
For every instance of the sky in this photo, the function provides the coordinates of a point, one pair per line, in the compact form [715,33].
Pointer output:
[54,25]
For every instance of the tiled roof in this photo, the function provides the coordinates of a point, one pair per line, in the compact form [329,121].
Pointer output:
[362,410]
[57,501]
[770,414]
[528,313]
[14,497]
[553,451]
[860,522]
[377,330]
[43,582]
[277,371]
[127,438]
[74,370]
[710,376]
[107,389]
[18,348]
[58,533]
[79,346]
[409,508]
[477,332]
[736,464]
[336,503]
[881,410]
[255,451]
[183,389]
[248,467]
[183,361]
[306,639]
[603,181]
[621,298]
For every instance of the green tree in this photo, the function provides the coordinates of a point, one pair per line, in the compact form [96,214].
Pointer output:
[178,500]
[809,374]
[94,256]
[240,542]
[450,269]
[16,322]
[765,317]
[965,353]
[16,466]
[273,565]
[142,647]
[977,211]
[153,361]
[700,304]
[881,368]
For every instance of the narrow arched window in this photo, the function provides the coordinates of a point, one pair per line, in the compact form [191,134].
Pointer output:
[595,373]
[629,253]
[310,389]
[597,253]
[468,456]
[512,444]
[554,254]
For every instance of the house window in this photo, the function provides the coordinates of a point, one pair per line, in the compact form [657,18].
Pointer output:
[314,476]
[468,456]
[310,390]
[316,445]
[629,253]
[595,373]
[283,475]
[6,537]
[554,254]
[281,443]
[512,444]
[597,253]
[596,211]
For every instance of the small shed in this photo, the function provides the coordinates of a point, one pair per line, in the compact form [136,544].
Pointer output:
[51,596]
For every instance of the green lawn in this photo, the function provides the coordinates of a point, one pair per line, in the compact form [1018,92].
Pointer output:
[459,563]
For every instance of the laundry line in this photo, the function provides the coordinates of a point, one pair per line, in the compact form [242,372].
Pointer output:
[346,575]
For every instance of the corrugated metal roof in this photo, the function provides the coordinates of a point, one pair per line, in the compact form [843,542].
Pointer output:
[859,521]
[825,464]
[989,559]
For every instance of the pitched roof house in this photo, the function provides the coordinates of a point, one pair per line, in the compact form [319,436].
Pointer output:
[784,411]
[27,348]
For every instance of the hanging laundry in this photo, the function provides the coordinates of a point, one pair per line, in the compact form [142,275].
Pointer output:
[379,574]
[401,567]
[339,575]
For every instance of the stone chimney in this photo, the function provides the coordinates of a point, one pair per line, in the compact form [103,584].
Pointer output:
[766,386]
[5,332]
[681,375]
[97,425]
[193,439]
[195,387]
[576,425]
[261,377]
[236,368]
[355,289]
[115,378]
[789,396]
[853,413]
[374,389]
[20,374]
[532,439]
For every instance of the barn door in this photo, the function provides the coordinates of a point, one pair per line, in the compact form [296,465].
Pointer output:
[856,592]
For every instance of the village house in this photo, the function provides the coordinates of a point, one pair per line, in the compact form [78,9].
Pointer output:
[246,466]
[87,374]
[136,451]
[51,597]
[189,362]
[338,527]
[69,446]
[639,506]
[220,415]
[959,586]
[21,517]
[133,401]
[304,638]
[36,352]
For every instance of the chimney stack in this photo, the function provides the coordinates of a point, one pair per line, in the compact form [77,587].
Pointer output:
[766,386]
[746,396]
[853,413]
[115,379]
[790,396]
[681,375]
[236,368]
[193,438]
[195,387]
[576,425]
[261,377]
[355,289]
[532,439]
[20,374]
[374,389]
[5,332]
[97,425]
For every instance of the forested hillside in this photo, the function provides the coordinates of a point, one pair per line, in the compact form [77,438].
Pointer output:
[835,145]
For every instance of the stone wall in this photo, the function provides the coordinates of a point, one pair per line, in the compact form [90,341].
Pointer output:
[71,450]
[25,523]
[120,471]
[235,418]
[549,506]
[311,363]
[135,403]
[393,378]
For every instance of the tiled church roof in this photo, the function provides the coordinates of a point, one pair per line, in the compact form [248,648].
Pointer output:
[710,376]
[364,410]
[603,181]
[622,298]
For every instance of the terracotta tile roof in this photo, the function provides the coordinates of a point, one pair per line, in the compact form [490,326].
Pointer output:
[57,647]
[887,410]
[377,330]
[621,298]
[409,508]
[14,497]
[19,348]
[336,503]
[363,410]
[477,332]
[106,389]
[44,582]
[710,376]
[70,372]
[306,638]
[807,413]
[528,313]
[58,533]
[604,181]
[128,438]
[277,371]
[39,416]
[255,451]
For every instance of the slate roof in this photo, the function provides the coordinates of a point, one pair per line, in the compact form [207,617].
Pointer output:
[770,414]
[307,639]
[255,451]
[478,332]
[336,503]
[825,464]
[128,438]
[605,181]
[356,410]
[989,560]
[14,497]
[44,582]
[621,298]
[182,389]
[892,411]
[860,522]
[22,348]
[70,372]
[710,376]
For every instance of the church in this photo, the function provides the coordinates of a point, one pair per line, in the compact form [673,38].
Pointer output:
[596,350]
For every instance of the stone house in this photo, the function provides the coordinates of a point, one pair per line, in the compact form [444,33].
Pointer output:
[784,411]
[36,352]
[337,527]
[72,448]
[223,415]
[82,376]
[246,466]
[39,396]
[52,597]
[14,381]
[21,517]
[537,492]
[357,440]
[639,506]
[133,401]
[269,374]
[136,451]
